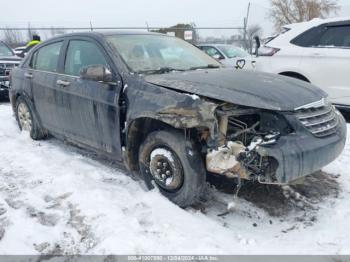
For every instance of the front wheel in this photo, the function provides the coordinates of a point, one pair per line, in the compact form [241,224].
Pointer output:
[170,162]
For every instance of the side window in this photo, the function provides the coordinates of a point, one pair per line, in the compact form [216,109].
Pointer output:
[46,58]
[80,54]
[212,51]
[336,36]
[309,38]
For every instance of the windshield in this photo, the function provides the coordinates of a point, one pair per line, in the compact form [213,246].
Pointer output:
[5,51]
[155,53]
[232,51]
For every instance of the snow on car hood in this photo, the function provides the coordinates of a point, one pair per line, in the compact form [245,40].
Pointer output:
[242,87]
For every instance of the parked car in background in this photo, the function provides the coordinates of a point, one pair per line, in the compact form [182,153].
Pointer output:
[317,51]
[8,60]
[229,55]
[19,50]
[171,113]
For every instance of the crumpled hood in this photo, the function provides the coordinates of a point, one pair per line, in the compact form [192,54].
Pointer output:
[242,87]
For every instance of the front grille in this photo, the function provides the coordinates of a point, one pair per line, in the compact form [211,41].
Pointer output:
[320,121]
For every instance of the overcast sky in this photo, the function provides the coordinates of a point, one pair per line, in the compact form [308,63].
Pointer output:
[137,12]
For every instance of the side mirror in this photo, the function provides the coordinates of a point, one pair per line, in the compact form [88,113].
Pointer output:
[257,45]
[96,73]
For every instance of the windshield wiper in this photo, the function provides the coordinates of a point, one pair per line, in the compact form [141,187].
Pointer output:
[161,70]
[209,66]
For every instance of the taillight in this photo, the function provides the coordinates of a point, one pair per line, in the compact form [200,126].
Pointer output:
[268,51]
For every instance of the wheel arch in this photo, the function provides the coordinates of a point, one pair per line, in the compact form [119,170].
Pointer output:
[16,95]
[137,132]
[29,101]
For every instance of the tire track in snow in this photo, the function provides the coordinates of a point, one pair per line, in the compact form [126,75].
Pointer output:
[73,202]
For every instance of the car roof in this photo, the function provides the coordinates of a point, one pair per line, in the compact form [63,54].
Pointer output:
[218,45]
[108,33]
[101,34]
[319,21]
[297,29]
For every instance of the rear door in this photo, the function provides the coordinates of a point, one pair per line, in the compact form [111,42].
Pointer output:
[42,72]
[327,61]
[90,108]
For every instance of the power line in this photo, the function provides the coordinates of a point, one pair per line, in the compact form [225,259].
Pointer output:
[118,28]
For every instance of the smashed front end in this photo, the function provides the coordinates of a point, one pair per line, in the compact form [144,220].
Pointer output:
[275,147]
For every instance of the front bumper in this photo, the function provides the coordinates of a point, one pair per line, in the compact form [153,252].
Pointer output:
[301,153]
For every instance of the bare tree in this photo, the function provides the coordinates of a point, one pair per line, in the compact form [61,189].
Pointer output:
[293,11]
[12,37]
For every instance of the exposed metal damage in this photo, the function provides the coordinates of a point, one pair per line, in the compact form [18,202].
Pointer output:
[241,134]
[235,140]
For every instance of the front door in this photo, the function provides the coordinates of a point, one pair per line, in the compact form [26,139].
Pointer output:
[90,108]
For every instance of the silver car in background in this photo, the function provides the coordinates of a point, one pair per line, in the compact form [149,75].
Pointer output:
[229,55]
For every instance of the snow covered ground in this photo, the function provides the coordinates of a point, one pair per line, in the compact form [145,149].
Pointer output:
[55,198]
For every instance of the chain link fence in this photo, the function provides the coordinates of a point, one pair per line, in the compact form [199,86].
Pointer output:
[19,36]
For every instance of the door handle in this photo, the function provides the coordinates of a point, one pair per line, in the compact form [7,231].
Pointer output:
[62,83]
[28,75]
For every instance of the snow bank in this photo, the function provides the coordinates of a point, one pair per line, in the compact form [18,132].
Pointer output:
[56,198]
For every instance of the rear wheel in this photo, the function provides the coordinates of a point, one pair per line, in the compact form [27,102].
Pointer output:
[170,162]
[27,120]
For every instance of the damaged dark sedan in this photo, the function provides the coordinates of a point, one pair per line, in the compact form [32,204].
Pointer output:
[171,114]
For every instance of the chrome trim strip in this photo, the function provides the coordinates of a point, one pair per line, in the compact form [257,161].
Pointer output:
[316,104]
[327,128]
[316,114]
[319,121]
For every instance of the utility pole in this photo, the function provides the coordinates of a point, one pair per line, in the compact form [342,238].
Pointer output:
[147,26]
[91,29]
[29,32]
[246,27]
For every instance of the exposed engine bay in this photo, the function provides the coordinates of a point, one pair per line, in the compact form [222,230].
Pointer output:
[242,132]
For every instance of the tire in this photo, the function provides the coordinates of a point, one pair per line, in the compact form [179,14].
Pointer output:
[25,111]
[187,173]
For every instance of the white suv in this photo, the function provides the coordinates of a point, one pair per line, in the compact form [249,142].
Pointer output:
[317,51]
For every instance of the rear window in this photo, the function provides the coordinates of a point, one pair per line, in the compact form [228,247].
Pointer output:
[325,36]
[46,58]
[309,37]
